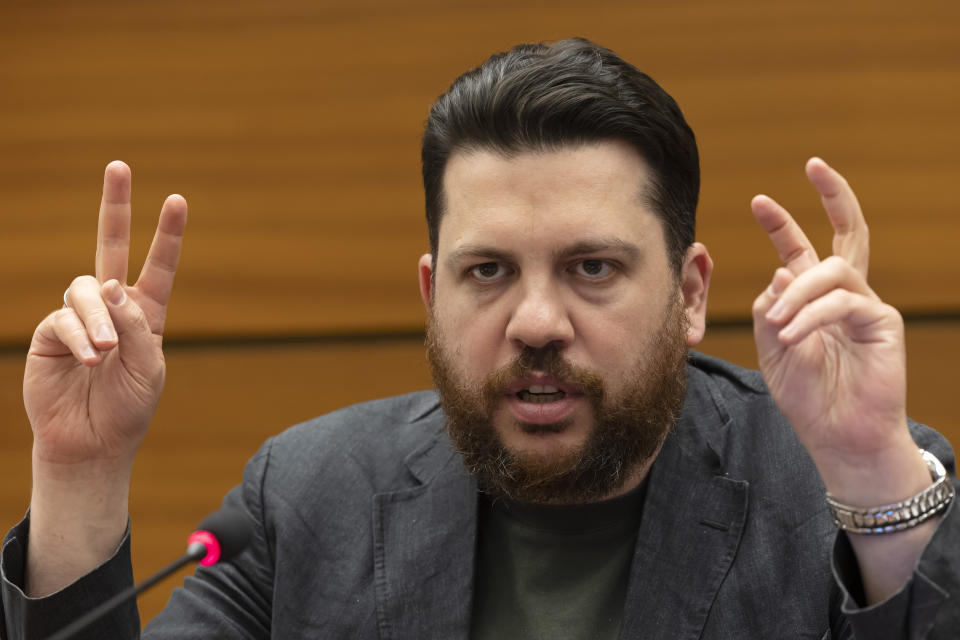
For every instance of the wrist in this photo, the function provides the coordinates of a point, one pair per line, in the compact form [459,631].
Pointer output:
[78,517]
[79,497]
[881,476]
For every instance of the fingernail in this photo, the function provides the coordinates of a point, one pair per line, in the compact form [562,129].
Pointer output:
[788,332]
[87,353]
[776,310]
[116,295]
[105,333]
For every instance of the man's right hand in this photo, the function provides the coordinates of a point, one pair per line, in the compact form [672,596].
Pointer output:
[93,378]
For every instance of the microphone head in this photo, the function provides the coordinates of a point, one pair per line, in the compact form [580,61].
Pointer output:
[224,533]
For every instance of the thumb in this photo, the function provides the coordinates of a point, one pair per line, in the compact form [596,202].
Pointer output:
[136,343]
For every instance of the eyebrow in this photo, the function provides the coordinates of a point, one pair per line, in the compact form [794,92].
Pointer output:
[600,245]
[629,250]
[471,251]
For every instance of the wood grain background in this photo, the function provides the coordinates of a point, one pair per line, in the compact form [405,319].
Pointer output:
[292,127]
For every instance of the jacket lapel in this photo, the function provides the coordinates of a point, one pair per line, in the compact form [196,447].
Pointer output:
[424,541]
[693,518]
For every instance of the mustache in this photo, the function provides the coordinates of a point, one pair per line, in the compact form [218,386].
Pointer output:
[544,360]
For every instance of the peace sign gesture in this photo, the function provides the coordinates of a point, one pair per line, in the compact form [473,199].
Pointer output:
[95,368]
[94,374]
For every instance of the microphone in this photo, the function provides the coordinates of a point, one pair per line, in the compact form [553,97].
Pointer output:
[222,535]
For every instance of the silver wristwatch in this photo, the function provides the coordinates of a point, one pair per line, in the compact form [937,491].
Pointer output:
[899,515]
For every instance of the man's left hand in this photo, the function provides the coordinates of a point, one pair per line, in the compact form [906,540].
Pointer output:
[832,354]
[831,351]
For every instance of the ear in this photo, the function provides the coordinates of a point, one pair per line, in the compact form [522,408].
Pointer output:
[694,284]
[425,269]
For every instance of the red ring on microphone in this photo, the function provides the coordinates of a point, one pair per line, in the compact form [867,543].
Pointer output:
[209,541]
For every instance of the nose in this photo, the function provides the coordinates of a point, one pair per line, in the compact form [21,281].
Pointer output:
[539,318]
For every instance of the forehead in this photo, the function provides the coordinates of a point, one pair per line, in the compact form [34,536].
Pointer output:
[546,197]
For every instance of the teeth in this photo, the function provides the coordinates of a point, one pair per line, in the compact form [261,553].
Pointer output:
[536,388]
[541,394]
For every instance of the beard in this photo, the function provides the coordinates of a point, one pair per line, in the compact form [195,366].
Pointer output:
[628,428]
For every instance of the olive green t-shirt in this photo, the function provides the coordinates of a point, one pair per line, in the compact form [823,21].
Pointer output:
[553,572]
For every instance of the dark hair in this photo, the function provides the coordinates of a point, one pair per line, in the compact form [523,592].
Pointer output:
[538,97]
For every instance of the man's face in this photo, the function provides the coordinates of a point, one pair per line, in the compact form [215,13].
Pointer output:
[558,331]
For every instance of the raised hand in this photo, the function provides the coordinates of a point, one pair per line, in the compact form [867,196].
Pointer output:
[830,350]
[832,354]
[94,374]
[95,368]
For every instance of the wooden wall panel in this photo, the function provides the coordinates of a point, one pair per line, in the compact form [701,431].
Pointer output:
[293,127]
[220,404]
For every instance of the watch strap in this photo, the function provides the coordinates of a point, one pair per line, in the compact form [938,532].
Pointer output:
[901,515]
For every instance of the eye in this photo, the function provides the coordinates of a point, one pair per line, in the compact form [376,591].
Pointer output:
[593,269]
[487,272]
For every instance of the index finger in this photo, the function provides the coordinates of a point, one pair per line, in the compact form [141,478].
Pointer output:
[113,228]
[851,237]
[794,248]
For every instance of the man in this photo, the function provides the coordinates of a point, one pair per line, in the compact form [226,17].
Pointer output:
[581,475]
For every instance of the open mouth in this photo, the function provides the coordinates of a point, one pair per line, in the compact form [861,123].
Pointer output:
[540,394]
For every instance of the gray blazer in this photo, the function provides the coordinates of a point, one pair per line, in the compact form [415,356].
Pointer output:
[365,524]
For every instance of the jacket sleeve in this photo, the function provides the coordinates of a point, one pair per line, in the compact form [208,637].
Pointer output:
[927,606]
[30,618]
[228,600]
